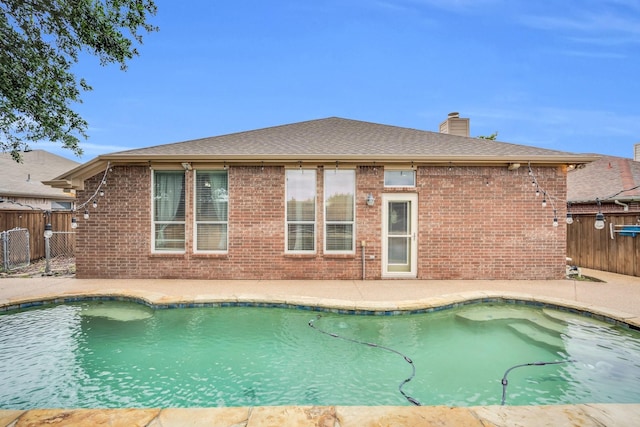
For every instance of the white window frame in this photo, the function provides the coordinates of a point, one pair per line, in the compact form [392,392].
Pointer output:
[195,215]
[307,222]
[408,172]
[352,222]
[154,249]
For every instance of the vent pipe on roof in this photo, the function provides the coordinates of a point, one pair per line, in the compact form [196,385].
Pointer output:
[636,155]
[454,125]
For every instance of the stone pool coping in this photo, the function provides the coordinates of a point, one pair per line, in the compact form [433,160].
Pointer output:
[16,292]
[382,308]
[334,416]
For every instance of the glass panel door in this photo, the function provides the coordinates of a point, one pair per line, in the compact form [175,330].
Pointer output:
[400,240]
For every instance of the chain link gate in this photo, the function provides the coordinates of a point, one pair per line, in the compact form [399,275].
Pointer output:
[14,248]
[62,244]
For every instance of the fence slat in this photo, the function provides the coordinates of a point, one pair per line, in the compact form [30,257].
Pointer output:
[34,221]
[591,248]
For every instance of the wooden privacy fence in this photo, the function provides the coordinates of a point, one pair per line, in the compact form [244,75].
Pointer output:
[34,221]
[596,249]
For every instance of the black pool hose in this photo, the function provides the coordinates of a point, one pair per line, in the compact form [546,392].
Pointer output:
[406,358]
[505,382]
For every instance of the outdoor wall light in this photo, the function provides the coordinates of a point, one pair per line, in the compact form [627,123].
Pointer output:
[599,224]
[370,199]
[48,232]
[514,166]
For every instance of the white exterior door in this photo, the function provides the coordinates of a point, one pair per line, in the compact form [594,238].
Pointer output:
[400,237]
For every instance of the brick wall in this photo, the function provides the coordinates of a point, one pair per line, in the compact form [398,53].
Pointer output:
[474,223]
[488,223]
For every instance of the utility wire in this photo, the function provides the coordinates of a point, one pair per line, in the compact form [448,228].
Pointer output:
[620,192]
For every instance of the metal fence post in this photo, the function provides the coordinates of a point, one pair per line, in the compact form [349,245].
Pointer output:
[5,250]
[47,248]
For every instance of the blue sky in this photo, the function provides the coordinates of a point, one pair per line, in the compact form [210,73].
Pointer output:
[556,74]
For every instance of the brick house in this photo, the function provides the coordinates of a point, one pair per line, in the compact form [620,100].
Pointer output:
[324,199]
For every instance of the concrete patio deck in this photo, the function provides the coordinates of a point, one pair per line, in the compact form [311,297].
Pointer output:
[618,297]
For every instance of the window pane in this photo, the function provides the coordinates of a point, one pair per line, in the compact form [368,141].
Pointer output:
[300,237]
[168,210]
[301,210]
[406,178]
[212,198]
[301,195]
[398,218]
[339,237]
[168,196]
[169,237]
[399,250]
[212,237]
[339,195]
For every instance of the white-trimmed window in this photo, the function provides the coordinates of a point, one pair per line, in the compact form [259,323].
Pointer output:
[211,211]
[168,211]
[300,210]
[400,178]
[339,213]
[61,206]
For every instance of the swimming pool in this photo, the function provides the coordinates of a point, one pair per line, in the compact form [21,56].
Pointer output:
[123,354]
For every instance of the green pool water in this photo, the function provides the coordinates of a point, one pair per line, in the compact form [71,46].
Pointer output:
[118,354]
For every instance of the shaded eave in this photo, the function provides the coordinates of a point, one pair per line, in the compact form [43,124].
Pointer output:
[60,196]
[74,179]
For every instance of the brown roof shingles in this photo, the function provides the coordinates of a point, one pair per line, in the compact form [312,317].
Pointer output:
[330,139]
[24,179]
[336,137]
[605,179]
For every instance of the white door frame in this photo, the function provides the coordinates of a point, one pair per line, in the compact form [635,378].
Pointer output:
[406,264]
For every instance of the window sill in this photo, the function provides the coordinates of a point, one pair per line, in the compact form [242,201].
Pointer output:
[301,256]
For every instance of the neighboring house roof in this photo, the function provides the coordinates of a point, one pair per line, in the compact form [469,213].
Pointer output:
[605,179]
[329,140]
[25,179]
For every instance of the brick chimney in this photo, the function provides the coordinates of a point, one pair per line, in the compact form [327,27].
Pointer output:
[454,125]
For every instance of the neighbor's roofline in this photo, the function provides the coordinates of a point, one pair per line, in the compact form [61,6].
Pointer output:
[75,177]
[608,200]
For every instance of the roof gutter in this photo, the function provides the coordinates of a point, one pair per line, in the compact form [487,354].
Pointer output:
[74,178]
[617,200]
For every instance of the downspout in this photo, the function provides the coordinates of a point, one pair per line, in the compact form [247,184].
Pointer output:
[626,206]
[363,244]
